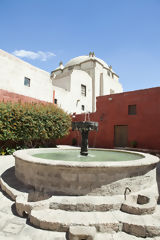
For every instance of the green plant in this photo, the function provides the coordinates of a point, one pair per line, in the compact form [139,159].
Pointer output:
[9,151]
[2,152]
[133,143]
[30,124]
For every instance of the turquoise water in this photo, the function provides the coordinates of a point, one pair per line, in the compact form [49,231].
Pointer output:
[93,156]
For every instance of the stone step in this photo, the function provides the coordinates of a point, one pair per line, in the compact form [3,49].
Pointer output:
[131,206]
[59,220]
[104,236]
[140,225]
[81,232]
[78,232]
[68,203]
[86,203]
[119,236]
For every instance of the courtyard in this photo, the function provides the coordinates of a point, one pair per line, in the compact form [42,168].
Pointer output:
[80,120]
[14,226]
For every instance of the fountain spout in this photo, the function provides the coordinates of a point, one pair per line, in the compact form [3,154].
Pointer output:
[84,128]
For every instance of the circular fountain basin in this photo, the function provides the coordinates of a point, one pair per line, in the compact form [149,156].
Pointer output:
[103,172]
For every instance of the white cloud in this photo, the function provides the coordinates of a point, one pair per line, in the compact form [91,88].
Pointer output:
[43,56]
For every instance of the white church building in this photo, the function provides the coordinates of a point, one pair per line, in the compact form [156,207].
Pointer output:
[74,86]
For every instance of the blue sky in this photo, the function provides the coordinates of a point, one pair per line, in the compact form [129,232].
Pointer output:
[124,33]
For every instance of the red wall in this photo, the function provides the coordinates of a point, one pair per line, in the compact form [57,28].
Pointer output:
[13,97]
[144,127]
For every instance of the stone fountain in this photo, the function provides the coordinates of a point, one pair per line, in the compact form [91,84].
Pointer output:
[84,128]
[86,196]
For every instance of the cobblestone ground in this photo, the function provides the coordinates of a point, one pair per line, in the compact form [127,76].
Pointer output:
[13,227]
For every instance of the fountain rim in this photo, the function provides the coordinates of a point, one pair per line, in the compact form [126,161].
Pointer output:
[25,155]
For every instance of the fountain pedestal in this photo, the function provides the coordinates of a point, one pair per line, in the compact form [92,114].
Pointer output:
[84,128]
[84,144]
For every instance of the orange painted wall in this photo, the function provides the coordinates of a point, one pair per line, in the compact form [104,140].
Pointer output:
[13,97]
[144,127]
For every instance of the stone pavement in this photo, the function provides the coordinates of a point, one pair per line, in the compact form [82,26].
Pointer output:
[13,227]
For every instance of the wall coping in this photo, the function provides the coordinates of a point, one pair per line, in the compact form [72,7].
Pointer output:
[25,155]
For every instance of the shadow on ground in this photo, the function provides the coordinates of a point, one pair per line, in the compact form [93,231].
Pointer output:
[33,195]
[9,177]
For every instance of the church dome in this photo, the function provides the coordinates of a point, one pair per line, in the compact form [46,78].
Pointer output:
[81,59]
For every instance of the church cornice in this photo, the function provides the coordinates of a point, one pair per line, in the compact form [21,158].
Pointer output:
[79,64]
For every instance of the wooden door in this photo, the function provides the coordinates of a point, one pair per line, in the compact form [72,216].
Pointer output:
[120,135]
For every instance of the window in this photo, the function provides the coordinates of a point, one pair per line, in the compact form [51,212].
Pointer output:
[108,72]
[83,90]
[131,109]
[27,82]
[83,107]
[55,101]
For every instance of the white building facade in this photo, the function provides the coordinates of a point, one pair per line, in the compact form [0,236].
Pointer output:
[74,87]
[84,78]
[20,77]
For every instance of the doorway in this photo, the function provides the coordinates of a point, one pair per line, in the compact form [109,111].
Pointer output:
[120,135]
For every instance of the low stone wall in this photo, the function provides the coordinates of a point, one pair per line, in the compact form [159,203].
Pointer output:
[81,178]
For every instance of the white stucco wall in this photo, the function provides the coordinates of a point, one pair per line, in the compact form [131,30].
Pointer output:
[94,69]
[72,100]
[12,73]
[109,82]
[62,98]
[79,77]
[65,82]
